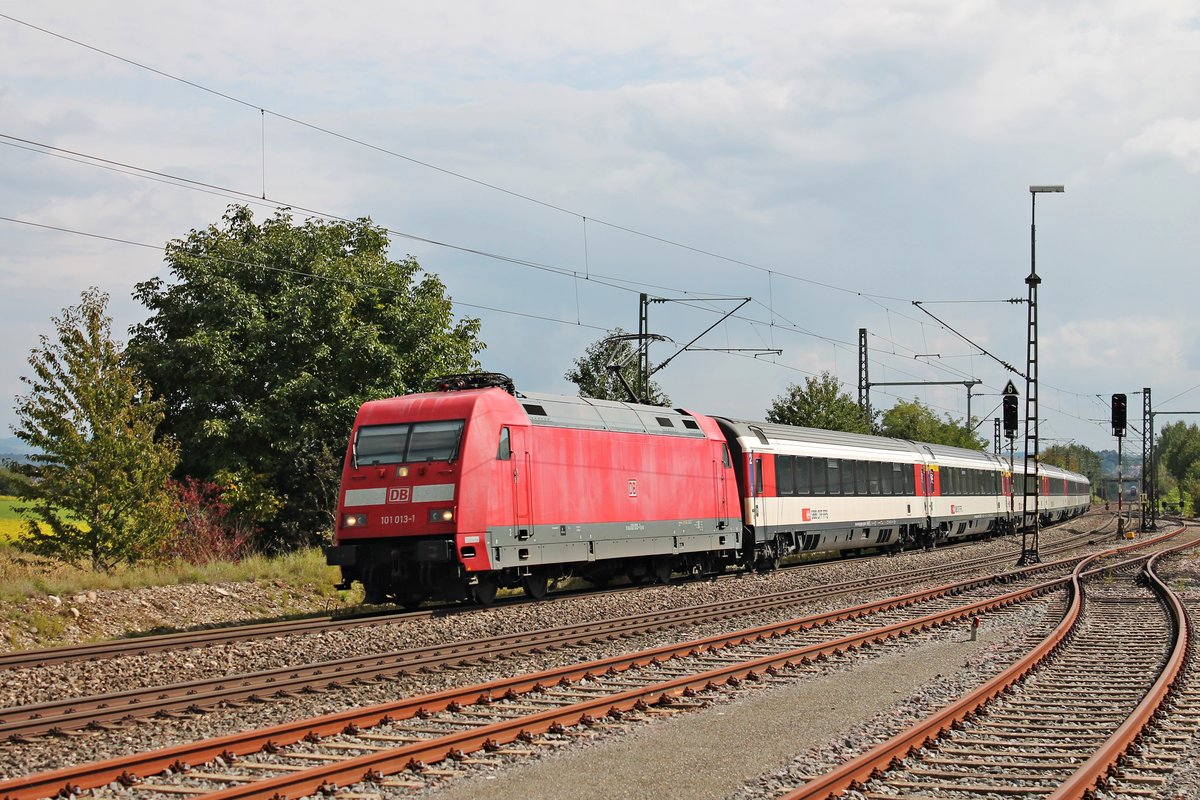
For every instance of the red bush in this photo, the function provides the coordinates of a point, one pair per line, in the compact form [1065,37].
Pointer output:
[208,532]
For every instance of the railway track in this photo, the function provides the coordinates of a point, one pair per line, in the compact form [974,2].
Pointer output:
[75,713]
[1060,722]
[144,645]
[374,744]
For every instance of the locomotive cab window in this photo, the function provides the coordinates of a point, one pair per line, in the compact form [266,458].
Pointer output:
[398,444]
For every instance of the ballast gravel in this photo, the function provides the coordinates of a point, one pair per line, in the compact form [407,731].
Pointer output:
[97,677]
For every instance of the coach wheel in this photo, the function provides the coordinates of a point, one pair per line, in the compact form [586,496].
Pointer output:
[484,592]
[768,558]
[534,584]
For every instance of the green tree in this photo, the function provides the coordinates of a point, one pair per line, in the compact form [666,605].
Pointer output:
[97,475]
[270,338]
[820,403]
[1178,448]
[592,375]
[918,423]
[1178,451]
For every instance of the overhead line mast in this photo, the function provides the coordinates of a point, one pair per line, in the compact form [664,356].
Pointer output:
[1032,488]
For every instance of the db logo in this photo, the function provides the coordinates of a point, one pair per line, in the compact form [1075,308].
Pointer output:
[399,494]
[633,488]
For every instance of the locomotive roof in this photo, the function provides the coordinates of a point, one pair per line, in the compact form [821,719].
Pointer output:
[565,411]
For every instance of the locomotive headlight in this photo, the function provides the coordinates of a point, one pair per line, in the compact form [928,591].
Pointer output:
[441,515]
[402,472]
[354,520]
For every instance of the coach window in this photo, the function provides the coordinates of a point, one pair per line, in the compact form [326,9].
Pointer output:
[886,471]
[785,480]
[909,472]
[833,476]
[846,472]
[873,468]
[862,477]
[505,451]
[820,477]
[758,476]
[803,475]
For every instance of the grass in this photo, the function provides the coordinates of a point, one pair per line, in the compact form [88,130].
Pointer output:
[24,575]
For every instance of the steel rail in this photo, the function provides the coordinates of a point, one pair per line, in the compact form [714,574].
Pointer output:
[856,772]
[370,767]
[143,645]
[1107,757]
[71,780]
[194,696]
[28,720]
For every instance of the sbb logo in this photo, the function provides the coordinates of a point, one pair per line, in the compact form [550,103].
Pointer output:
[399,494]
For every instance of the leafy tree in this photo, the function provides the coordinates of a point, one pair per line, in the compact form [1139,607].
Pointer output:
[820,403]
[97,476]
[269,340]
[594,379]
[9,480]
[1178,449]
[919,423]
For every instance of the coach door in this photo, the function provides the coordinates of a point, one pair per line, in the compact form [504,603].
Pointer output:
[929,483]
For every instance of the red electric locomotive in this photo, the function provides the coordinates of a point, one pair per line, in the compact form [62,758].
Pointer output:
[455,493]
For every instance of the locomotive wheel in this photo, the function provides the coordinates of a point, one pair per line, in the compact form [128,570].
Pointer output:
[411,600]
[374,588]
[484,592]
[535,585]
[661,569]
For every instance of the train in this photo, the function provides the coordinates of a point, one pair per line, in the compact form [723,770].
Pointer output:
[473,487]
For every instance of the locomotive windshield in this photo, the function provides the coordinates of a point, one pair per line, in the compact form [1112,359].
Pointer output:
[398,444]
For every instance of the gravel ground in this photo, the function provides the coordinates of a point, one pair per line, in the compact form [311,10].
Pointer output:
[67,680]
[101,614]
[743,747]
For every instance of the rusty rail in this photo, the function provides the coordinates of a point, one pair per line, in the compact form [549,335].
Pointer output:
[856,772]
[73,779]
[1105,760]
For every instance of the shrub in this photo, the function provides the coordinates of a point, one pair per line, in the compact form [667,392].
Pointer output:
[209,532]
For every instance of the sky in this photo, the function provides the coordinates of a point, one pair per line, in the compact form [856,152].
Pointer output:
[836,163]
